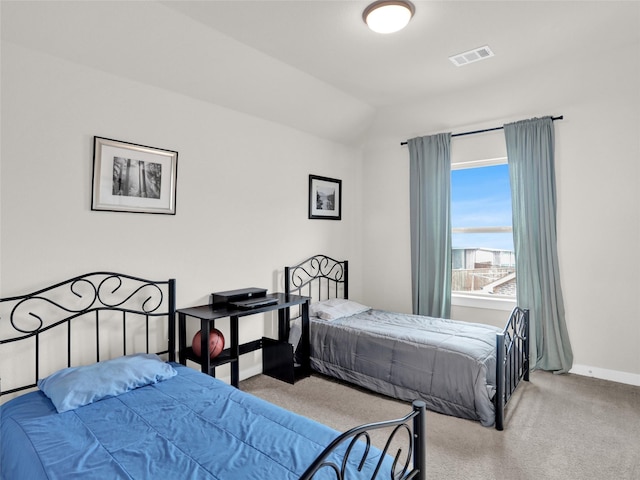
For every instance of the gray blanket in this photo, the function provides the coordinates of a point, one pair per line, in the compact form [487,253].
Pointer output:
[449,364]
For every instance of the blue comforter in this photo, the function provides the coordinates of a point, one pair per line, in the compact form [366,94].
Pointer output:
[189,427]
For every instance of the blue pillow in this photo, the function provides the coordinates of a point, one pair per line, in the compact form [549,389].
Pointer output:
[74,387]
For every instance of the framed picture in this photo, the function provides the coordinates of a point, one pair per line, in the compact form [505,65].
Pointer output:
[133,178]
[325,198]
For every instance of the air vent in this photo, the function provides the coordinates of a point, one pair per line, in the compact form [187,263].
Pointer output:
[471,56]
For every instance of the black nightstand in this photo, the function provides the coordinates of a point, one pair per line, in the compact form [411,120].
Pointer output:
[277,354]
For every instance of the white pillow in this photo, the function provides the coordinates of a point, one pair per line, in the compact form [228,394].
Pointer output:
[336,308]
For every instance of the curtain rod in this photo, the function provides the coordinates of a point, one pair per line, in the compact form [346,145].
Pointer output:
[485,130]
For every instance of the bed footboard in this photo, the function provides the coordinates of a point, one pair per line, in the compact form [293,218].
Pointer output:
[512,360]
[412,464]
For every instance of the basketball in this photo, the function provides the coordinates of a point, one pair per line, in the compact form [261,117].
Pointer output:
[216,343]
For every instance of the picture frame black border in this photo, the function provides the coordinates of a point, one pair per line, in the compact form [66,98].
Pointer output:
[171,155]
[338,182]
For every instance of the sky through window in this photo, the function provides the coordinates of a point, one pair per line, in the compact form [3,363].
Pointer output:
[481,197]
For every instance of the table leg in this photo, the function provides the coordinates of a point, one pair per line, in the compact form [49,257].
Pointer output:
[182,338]
[283,324]
[235,352]
[304,341]
[205,355]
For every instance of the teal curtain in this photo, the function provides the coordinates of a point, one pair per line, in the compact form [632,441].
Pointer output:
[530,153]
[430,211]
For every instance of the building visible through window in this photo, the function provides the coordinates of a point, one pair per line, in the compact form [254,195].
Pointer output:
[483,260]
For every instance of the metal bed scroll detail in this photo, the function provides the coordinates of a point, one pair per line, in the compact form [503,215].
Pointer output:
[33,314]
[319,277]
[402,467]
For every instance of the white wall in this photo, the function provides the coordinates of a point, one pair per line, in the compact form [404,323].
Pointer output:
[597,168]
[242,190]
[233,167]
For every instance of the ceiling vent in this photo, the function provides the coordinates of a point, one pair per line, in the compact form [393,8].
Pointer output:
[471,56]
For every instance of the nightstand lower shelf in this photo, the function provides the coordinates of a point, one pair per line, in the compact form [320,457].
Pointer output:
[278,361]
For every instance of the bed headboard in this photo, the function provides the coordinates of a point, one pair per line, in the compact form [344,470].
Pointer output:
[104,303]
[319,277]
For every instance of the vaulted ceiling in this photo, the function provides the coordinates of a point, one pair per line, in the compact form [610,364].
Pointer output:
[302,62]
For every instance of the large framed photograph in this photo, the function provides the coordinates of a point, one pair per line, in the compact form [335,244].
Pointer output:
[325,198]
[133,178]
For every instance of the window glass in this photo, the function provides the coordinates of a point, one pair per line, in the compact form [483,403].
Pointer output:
[483,261]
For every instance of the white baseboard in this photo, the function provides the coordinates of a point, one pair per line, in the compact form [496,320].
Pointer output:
[243,374]
[604,374]
[250,372]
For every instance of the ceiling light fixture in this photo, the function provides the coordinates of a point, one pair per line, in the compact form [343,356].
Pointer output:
[387,16]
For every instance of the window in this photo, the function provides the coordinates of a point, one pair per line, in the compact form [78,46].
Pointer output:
[483,260]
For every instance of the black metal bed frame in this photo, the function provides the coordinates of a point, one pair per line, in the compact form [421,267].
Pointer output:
[401,468]
[512,360]
[321,277]
[35,313]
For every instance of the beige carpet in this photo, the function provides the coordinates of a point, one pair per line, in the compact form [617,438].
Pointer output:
[558,427]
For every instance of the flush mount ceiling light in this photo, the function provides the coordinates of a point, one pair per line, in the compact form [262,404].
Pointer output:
[388,16]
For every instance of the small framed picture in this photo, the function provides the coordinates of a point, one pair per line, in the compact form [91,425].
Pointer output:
[325,198]
[133,178]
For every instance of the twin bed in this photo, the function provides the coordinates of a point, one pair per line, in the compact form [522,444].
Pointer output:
[467,370]
[131,412]
[127,413]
